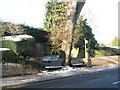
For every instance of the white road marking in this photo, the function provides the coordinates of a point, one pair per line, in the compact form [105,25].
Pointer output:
[116,82]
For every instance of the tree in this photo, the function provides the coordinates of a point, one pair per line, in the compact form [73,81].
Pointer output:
[84,31]
[8,28]
[60,20]
[56,16]
[1,29]
[116,41]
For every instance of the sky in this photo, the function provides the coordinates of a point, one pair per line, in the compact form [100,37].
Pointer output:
[102,15]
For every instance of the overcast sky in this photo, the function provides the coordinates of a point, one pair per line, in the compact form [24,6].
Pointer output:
[102,15]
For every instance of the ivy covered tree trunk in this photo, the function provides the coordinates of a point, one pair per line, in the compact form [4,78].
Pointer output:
[61,17]
[73,12]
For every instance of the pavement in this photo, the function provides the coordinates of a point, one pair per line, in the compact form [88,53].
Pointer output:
[18,81]
[105,79]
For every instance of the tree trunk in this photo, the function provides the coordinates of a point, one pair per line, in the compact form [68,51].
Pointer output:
[73,12]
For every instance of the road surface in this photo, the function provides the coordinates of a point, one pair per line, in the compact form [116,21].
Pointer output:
[104,79]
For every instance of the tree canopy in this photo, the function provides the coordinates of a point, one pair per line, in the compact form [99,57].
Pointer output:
[60,21]
[8,29]
[55,22]
[84,31]
[116,41]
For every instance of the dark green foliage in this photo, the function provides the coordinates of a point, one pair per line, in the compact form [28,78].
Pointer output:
[106,51]
[10,44]
[55,23]
[23,48]
[8,29]
[81,53]
[42,49]
[40,35]
[26,47]
[29,66]
[55,15]
[10,57]
[82,31]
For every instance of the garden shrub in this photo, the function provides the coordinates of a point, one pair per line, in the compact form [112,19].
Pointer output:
[40,35]
[9,44]
[22,48]
[42,49]
[26,47]
[33,64]
[10,57]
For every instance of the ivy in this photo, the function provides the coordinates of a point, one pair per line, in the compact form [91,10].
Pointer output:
[55,22]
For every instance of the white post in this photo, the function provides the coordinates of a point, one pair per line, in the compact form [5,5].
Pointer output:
[86,55]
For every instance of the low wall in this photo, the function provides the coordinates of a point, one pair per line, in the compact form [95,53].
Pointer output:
[12,69]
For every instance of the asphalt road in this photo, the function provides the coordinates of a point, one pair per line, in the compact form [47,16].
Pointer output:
[104,79]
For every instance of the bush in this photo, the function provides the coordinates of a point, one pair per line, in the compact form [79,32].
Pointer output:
[106,51]
[9,44]
[99,53]
[10,57]
[39,35]
[21,48]
[33,65]
[26,47]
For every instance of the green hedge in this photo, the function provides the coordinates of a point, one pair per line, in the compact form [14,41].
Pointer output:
[9,44]
[10,57]
[26,47]
[22,48]
[106,51]
[40,35]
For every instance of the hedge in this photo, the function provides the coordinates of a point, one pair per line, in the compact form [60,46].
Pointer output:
[107,51]
[10,57]
[21,48]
